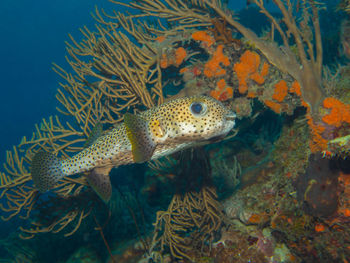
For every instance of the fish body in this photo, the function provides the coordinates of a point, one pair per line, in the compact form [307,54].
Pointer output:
[157,132]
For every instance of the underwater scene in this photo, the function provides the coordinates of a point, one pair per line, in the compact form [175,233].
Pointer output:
[207,131]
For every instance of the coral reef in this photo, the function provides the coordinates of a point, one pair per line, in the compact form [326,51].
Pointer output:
[276,190]
[189,223]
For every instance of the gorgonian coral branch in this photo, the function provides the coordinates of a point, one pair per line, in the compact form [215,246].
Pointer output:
[307,72]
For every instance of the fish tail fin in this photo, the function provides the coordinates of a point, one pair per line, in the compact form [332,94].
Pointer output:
[46,170]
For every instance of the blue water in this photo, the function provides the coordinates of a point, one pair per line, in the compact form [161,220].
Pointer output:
[32,37]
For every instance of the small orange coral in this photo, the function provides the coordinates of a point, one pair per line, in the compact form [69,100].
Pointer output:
[317,142]
[174,57]
[221,84]
[222,92]
[212,67]
[180,55]
[247,68]
[259,77]
[183,70]
[344,180]
[345,212]
[215,94]
[265,69]
[276,107]
[281,91]
[251,94]
[254,218]
[204,37]
[160,39]
[289,174]
[196,71]
[340,112]
[295,88]
[320,227]
[258,218]
[163,61]
[229,92]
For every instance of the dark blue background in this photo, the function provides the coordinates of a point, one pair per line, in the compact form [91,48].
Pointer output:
[32,37]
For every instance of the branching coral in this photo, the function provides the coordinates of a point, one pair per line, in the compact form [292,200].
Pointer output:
[106,85]
[345,5]
[16,185]
[307,72]
[113,74]
[193,215]
[58,213]
[222,33]
[190,220]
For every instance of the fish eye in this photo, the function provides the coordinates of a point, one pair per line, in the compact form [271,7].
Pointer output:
[198,108]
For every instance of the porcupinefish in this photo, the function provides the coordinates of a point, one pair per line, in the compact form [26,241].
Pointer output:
[157,132]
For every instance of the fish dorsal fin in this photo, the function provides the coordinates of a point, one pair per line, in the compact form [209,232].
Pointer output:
[142,145]
[99,180]
[95,133]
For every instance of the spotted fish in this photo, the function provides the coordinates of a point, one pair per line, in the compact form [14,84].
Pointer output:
[157,132]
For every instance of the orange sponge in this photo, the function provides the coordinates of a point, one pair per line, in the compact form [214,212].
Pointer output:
[212,67]
[340,112]
[276,107]
[180,55]
[204,37]
[281,91]
[173,58]
[222,92]
[247,68]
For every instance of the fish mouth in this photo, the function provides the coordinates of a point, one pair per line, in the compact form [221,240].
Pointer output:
[230,117]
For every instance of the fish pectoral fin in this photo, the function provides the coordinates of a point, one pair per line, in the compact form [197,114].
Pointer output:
[138,132]
[99,180]
[157,128]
